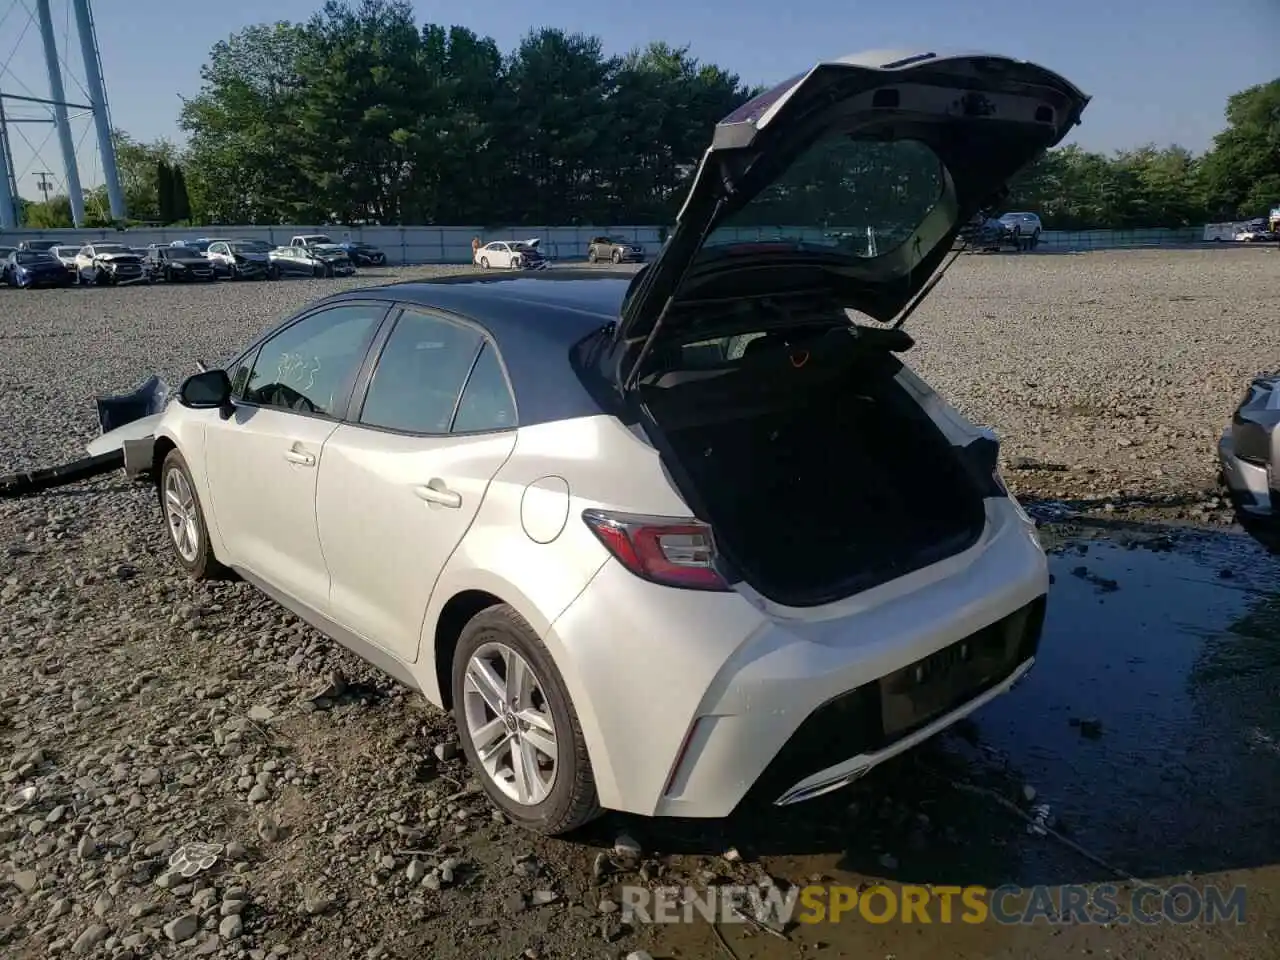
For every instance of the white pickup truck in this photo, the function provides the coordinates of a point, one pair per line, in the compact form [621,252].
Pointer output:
[311,240]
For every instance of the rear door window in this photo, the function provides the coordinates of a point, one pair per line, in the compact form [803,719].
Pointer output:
[486,402]
[420,374]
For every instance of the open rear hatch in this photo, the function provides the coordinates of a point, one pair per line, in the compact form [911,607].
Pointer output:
[829,200]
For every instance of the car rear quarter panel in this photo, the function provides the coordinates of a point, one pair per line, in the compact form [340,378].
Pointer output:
[604,465]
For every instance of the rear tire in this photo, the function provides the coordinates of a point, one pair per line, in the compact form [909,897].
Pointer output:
[185,522]
[571,798]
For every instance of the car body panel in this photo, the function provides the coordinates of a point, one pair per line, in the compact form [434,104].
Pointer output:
[264,503]
[139,429]
[386,548]
[1249,455]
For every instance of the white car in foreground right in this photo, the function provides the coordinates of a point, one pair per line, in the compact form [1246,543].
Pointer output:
[666,542]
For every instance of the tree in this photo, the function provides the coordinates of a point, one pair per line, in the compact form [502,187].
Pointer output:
[164,192]
[1242,172]
[181,200]
[361,114]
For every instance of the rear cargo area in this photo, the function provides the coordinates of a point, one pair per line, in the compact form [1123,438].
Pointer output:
[819,474]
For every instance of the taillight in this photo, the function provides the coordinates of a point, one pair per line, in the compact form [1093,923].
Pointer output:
[673,552]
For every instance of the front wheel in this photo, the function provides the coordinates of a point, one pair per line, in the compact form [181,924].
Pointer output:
[519,730]
[184,519]
[484,263]
[591,256]
[617,256]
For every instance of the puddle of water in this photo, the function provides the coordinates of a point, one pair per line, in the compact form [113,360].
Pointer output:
[1178,665]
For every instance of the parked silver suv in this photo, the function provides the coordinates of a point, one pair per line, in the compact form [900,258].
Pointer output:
[1025,228]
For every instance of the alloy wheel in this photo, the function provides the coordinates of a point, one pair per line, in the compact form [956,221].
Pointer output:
[509,723]
[182,514]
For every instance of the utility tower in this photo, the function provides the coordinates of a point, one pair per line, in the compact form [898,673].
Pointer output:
[54,109]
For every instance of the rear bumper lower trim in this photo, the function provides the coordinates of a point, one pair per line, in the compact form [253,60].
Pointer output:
[841,775]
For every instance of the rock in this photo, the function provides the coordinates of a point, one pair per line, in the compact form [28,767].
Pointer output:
[93,935]
[149,777]
[600,866]
[231,927]
[268,829]
[182,928]
[87,847]
[25,880]
[732,855]
[445,751]
[639,955]
[261,713]
[415,871]
[102,906]
[259,794]
[1028,792]
[626,846]
[608,906]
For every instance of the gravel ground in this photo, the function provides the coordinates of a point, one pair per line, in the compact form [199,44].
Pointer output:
[149,713]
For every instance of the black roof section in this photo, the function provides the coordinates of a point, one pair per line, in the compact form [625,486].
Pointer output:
[535,320]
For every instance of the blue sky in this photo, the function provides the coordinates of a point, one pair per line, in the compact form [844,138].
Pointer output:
[1158,70]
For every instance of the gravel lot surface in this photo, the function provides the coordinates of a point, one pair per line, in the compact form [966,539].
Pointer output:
[143,713]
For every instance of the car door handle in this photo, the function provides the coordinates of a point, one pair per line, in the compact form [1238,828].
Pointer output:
[434,491]
[300,457]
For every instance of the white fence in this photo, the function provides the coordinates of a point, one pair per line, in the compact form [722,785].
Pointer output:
[453,244]
[401,244]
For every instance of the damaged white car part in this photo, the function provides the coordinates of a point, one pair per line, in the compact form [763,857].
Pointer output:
[124,420]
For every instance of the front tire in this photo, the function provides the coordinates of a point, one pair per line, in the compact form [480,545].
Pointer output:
[591,255]
[510,702]
[185,522]
[617,256]
[484,263]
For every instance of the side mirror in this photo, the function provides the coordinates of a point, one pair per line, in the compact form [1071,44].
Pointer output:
[208,390]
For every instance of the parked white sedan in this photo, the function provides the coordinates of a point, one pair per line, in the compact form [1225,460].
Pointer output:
[509,255]
[606,521]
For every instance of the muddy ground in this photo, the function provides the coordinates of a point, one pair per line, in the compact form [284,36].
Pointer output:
[141,713]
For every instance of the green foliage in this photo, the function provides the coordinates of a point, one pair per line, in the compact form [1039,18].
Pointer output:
[362,115]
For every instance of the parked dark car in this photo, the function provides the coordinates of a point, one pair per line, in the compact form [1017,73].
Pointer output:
[179,264]
[34,268]
[615,249]
[364,254]
[296,262]
[239,259]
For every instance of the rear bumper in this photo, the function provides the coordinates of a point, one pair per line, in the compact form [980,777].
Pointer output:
[696,701]
[1249,482]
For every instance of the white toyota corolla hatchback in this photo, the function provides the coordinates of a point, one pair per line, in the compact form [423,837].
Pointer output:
[670,541]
